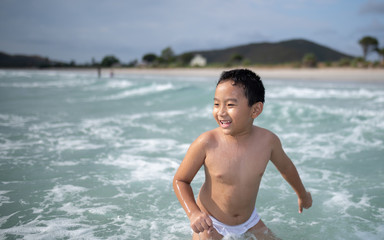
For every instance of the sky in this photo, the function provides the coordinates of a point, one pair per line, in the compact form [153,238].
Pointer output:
[82,30]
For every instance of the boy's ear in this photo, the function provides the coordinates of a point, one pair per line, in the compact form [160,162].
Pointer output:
[257,108]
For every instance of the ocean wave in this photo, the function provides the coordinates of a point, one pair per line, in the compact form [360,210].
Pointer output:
[141,91]
[326,131]
[65,83]
[56,228]
[319,93]
[103,85]
[143,168]
[118,84]
[60,192]
[4,200]
[25,74]
[73,144]
[103,170]
[145,146]
[15,121]
[343,200]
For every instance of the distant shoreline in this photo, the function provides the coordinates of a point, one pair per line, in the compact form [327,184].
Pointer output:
[318,74]
[325,74]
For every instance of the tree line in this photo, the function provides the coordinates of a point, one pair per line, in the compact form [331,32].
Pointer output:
[168,58]
[371,44]
[368,44]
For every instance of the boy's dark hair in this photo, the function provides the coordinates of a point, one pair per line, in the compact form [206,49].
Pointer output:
[254,89]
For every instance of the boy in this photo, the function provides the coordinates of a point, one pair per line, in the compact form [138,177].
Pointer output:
[234,156]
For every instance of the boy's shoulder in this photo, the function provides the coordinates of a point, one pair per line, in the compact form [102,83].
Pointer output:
[209,136]
[264,134]
[263,131]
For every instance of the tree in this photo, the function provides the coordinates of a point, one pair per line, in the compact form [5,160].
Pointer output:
[186,58]
[132,63]
[149,58]
[368,44]
[72,63]
[381,53]
[109,60]
[236,58]
[309,60]
[168,55]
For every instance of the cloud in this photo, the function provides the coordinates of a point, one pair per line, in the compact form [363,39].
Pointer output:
[84,29]
[372,7]
[374,28]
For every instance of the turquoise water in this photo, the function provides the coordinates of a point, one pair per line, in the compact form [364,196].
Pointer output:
[89,158]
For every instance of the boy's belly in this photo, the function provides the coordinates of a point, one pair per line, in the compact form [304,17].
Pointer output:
[229,206]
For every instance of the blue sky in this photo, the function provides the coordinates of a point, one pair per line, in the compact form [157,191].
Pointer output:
[84,29]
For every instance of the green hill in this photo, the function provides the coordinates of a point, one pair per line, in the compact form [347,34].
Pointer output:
[255,53]
[24,61]
[273,53]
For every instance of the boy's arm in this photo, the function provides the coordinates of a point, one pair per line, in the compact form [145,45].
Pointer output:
[288,170]
[191,164]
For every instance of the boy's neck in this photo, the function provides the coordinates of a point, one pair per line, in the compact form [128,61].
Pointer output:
[241,135]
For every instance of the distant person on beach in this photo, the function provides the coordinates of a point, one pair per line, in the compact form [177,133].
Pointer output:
[235,156]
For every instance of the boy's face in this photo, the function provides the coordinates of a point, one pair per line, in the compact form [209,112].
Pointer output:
[231,110]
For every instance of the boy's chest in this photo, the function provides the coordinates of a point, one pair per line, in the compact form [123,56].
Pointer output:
[230,167]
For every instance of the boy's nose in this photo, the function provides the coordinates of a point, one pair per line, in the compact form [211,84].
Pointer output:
[222,111]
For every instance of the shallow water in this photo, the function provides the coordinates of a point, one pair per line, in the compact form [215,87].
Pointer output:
[89,158]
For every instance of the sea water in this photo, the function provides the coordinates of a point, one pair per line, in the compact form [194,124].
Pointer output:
[83,157]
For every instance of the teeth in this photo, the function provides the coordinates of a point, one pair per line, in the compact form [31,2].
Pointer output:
[224,122]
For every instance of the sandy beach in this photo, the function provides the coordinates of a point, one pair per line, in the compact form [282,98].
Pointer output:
[305,74]
[326,74]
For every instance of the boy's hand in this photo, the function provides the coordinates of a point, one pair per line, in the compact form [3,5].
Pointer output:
[305,202]
[200,222]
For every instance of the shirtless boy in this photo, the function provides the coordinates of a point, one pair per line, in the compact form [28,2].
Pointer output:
[234,156]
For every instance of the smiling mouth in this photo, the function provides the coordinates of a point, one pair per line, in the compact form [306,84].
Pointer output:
[225,123]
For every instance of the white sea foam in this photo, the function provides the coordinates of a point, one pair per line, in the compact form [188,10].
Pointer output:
[168,114]
[154,88]
[274,215]
[8,145]
[145,146]
[6,73]
[321,93]
[4,199]
[56,228]
[105,132]
[109,84]
[377,234]
[73,143]
[144,168]
[48,127]
[65,163]
[11,120]
[342,201]
[204,112]
[60,192]
[110,127]
[79,209]
[3,220]
[118,84]
[50,84]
